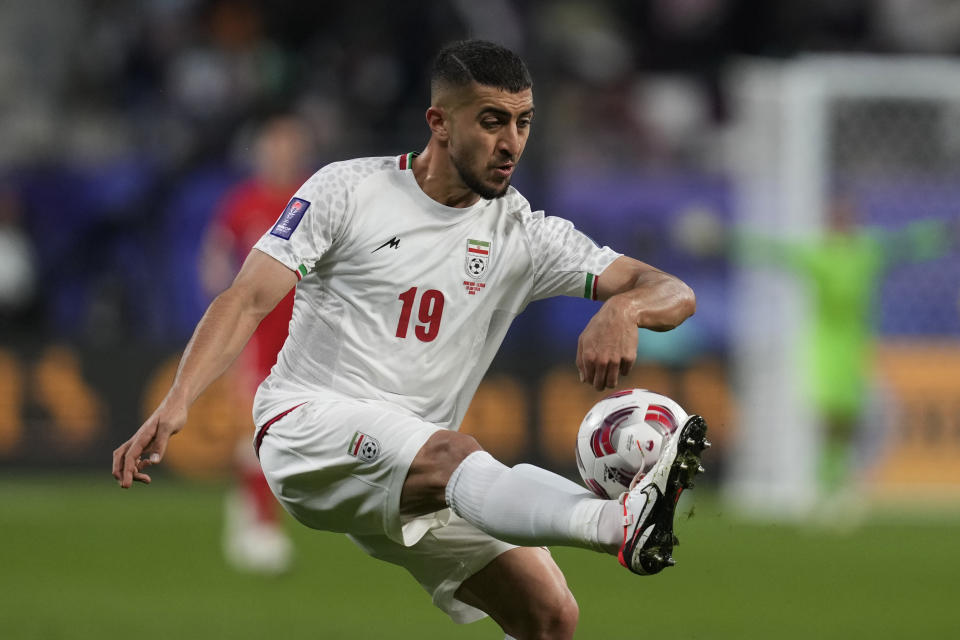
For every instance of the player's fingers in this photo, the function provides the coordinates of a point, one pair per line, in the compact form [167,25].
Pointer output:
[600,378]
[579,362]
[118,454]
[589,370]
[124,463]
[608,377]
[130,459]
[129,469]
[155,451]
[613,375]
[152,454]
[137,472]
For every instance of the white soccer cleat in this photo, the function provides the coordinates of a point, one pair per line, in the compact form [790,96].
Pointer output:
[649,506]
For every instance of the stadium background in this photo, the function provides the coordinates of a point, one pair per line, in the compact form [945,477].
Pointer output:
[123,123]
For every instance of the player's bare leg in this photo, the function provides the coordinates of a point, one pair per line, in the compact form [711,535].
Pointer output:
[423,490]
[525,592]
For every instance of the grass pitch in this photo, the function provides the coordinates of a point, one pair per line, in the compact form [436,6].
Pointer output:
[79,558]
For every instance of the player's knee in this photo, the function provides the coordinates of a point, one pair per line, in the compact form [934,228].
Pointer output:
[449,448]
[425,487]
[556,617]
[447,452]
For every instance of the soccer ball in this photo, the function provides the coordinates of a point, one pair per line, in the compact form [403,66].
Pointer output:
[622,436]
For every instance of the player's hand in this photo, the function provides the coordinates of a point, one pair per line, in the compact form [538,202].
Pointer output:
[607,348]
[148,444]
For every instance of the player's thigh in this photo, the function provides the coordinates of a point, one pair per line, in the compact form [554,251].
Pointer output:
[525,591]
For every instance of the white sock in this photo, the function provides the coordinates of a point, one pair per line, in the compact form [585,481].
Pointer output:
[531,506]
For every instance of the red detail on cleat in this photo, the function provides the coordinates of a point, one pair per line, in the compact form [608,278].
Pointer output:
[625,525]
[620,557]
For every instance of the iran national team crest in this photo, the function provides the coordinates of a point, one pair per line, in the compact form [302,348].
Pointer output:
[364,446]
[476,265]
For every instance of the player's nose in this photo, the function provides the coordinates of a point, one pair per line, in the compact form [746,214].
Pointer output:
[509,142]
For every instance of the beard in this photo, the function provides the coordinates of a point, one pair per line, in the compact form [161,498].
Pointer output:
[475,184]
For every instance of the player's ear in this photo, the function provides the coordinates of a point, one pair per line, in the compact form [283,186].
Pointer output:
[437,121]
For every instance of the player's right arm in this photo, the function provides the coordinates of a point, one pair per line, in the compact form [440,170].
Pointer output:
[219,338]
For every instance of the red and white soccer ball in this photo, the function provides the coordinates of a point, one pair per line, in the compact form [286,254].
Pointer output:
[623,435]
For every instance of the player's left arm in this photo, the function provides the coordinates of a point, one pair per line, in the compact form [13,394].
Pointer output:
[918,241]
[636,295]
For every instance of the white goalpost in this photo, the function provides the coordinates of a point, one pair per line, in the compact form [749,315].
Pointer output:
[800,127]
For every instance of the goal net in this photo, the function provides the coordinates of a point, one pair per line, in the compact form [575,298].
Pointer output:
[882,135]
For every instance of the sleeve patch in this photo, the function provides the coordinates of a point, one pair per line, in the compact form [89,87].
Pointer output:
[290,218]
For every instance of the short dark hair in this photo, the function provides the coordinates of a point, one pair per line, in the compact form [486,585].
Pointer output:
[461,63]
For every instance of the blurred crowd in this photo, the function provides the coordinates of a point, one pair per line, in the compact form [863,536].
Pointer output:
[124,123]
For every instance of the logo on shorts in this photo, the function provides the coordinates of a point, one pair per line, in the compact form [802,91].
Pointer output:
[364,447]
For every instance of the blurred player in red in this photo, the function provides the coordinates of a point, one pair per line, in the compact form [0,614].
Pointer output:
[254,539]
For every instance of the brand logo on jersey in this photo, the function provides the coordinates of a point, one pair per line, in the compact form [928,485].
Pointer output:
[364,447]
[290,218]
[393,243]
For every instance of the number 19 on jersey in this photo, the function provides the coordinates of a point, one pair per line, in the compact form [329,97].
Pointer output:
[428,313]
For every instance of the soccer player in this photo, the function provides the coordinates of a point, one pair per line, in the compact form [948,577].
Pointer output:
[843,270]
[254,539]
[408,271]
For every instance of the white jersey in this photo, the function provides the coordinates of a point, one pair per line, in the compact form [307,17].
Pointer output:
[404,300]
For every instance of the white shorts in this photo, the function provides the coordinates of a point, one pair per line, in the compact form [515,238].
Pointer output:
[441,560]
[340,465]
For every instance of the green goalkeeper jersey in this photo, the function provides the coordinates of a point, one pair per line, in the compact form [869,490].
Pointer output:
[843,273]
